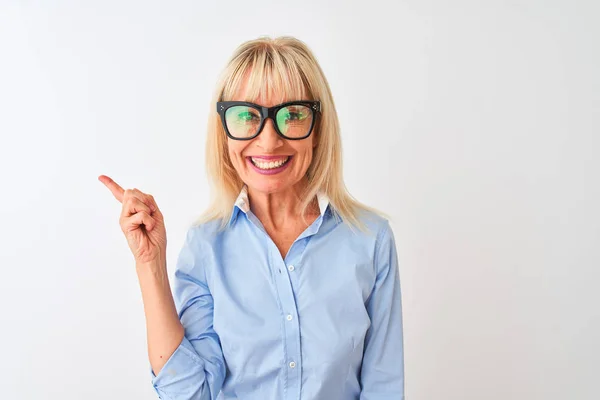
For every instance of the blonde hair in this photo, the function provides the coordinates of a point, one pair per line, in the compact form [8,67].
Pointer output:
[287,67]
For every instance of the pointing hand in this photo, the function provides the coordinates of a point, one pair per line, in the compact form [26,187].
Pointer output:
[141,221]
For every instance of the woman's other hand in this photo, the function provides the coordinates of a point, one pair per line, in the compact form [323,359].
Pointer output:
[141,221]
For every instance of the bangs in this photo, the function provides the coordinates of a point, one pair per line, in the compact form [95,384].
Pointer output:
[266,74]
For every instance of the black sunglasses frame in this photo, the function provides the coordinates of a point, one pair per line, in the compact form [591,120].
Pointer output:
[268,112]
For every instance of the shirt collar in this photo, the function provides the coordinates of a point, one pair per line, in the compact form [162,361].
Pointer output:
[243,204]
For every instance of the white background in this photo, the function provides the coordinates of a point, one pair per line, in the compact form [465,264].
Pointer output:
[474,124]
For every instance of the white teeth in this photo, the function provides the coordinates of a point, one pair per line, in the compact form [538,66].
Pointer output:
[270,164]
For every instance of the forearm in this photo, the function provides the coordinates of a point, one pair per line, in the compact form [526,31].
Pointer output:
[164,330]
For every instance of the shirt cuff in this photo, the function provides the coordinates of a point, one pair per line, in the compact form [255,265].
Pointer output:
[180,373]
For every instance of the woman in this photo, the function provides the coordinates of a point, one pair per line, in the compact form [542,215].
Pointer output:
[287,288]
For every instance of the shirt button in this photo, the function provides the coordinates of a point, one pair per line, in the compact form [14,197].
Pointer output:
[292,364]
[291,268]
[289,317]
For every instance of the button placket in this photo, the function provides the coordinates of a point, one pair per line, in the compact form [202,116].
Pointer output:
[291,328]
[286,298]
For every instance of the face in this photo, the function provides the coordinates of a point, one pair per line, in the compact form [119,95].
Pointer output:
[269,163]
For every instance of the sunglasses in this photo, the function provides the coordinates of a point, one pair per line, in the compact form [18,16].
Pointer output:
[293,120]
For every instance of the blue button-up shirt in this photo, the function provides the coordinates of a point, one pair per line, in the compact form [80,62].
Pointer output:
[325,322]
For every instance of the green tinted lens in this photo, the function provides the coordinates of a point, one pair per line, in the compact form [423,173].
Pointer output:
[242,121]
[294,121]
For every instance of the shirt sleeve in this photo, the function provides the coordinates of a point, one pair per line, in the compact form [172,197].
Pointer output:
[382,373]
[196,370]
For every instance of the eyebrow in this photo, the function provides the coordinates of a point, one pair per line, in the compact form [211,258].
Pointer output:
[274,105]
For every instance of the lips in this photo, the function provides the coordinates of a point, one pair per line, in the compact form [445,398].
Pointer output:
[272,166]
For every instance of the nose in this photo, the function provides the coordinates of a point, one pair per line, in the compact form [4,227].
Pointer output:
[268,139]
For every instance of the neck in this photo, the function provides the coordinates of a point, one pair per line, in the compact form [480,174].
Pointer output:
[280,209]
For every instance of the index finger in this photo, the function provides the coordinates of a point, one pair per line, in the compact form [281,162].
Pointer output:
[114,187]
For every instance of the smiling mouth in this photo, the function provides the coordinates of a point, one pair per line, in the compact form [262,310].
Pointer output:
[266,165]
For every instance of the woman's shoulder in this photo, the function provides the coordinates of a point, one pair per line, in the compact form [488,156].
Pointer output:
[365,228]
[368,220]
[373,217]
[205,232]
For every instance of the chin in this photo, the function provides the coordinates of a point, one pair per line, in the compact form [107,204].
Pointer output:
[264,186]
